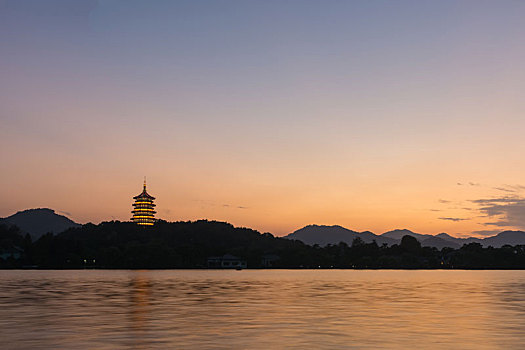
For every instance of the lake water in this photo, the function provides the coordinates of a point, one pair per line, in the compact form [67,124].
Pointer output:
[262,309]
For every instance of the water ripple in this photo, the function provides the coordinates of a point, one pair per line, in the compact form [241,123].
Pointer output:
[279,309]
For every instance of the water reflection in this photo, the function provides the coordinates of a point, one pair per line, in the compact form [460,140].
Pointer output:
[262,309]
[139,308]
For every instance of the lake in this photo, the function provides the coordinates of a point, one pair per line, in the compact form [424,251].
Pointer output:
[262,309]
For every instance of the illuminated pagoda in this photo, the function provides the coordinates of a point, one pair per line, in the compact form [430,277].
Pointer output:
[143,208]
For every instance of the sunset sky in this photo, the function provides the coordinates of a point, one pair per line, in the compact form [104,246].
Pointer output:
[373,115]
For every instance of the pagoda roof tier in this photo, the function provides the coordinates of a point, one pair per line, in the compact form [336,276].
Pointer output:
[144,195]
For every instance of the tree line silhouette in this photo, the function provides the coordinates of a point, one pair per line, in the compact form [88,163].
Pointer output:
[175,245]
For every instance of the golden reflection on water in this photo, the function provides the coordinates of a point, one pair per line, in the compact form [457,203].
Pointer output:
[265,309]
[139,303]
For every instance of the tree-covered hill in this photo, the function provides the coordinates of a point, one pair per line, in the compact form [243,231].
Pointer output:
[168,245]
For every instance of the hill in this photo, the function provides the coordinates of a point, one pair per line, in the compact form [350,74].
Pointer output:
[398,234]
[38,222]
[505,238]
[323,235]
[439,243]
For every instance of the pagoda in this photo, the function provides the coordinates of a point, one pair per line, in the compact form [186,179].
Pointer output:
[143,208]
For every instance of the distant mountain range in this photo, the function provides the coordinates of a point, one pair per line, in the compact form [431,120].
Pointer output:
[38,222]
[323,235]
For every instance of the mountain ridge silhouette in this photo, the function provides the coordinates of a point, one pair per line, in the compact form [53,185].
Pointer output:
[334,234]
[39,221]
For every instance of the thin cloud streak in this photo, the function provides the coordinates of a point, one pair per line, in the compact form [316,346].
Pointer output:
[504,189]
[510,188]
[453,219]
[486,233]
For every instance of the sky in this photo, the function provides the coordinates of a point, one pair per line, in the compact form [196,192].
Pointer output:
[373,115]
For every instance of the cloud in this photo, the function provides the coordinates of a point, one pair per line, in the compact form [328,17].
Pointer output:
[499,200]
[468,183]
[444,201]
[64,212]
[510,188]
[502,223]
[234,206]
[506,211]
[454,219]
[435,210]
[503,189]
[486,232]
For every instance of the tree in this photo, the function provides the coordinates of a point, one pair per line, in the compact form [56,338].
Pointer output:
[410,244]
